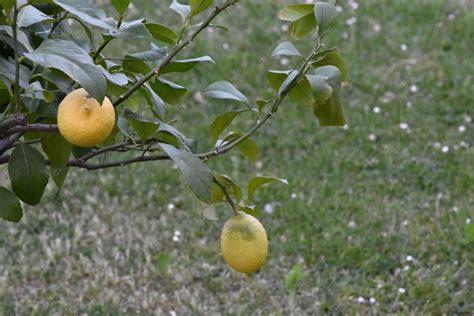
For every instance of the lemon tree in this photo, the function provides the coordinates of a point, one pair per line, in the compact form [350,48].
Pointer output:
[67,102]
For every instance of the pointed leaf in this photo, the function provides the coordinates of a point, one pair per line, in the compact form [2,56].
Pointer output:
[325,14]
[301,27]
[294,12]
[224,90]
[321,89]
[28,173]
[184,65]
[286,49]
[121,5]
[10,207]
[58,151]
[162,33]
[198,6]
[29,15]
[332,58]
[247,147]
[196,174]
[257,182]
[181,9]
[144,126]
[330,113]
[222,122]
[170,92]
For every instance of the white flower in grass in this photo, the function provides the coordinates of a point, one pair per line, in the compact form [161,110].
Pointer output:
[414,88]
[409,104]
[351,21]
[372,137]
[467,119]
[284,27]
[268,208]
[406,268]
[461,128]
[339,9]
[468,221]
[172,313]
[451,16]
[372,301]
[376,110]
[409,258]
[294,195]
[345,35]
[404,125]
[463,144]
[377,28]
[346,127]
[445,149]
[171,206]
[404,47]
[402,290]
[225,46]
[177,233]
[360,300]
[405,223]
[175,238]
[351,224]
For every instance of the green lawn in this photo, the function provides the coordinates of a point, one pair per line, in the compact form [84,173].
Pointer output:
[376,214]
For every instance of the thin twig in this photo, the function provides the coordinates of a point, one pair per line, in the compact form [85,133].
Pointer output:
[17,63]
[176,50]
[227,196]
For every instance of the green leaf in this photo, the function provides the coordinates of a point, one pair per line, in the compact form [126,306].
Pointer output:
[130,30]
[181,9]
[286,49]
[262,103]
[253,210]
[29,15]
[155,53]
[21,36]
[321,89]
[222,122]
[170,92]
[121,5]
[257,182]
[295,12]
[68,57]
[144,126]
[7,70]
[332,58]
[325,14]
[232,188]
[247,147]
[224,90]
[135,65]
[10,207]
[7,5]
[198,6]
[89,12]
[330,113]
[28,173]
[300,93]
[332,75]
[58,151]
[184,65]
[162,33]
[300,28]
[196,174]
[156,102]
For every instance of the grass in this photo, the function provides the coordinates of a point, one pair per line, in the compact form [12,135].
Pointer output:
[375,215]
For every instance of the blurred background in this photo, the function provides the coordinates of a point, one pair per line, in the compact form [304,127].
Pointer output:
[377,216]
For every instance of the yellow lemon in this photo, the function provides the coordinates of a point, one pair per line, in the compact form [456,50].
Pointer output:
[244,243]
[83,121]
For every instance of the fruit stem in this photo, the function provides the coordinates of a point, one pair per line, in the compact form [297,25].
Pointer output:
[227,197]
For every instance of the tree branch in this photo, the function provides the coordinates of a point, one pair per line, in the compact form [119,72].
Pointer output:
[176,50]
[17,63]
[37,127]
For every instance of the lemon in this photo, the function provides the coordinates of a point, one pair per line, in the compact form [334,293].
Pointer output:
[244,243]
[83,121]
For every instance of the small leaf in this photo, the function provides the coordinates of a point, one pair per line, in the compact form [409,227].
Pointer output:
[332,75]
[286,49]
[232,188]
[131,30]
[28,173]
[154,54]
[181,9]
[185,64]
[222,122]
[58,151]
[121,5]
[325,14]
[224,90]
[135,65]
[257,182]
[162,33]
[157,103]
[10,207]
[198,6]
[197,175]
[247,147]
[300,28]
